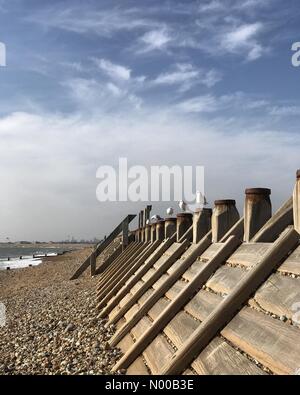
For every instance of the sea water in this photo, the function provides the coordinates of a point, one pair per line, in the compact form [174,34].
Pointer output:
[22,256]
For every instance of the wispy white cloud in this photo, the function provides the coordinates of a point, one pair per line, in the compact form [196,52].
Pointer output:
[200,104]
[229,102]
[154,40]
[284,110]
[243,38]
[114,71]
[185,75]
[84,20]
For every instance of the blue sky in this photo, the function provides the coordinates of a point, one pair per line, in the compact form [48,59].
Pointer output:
[161,82]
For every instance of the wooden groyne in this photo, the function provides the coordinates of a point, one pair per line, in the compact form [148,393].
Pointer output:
[209,293]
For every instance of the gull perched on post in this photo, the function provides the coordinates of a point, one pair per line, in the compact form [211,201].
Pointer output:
[201,199]
[170,211]
[156,218]
[182,205]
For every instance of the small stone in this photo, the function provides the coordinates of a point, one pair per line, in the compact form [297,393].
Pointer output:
[70,328]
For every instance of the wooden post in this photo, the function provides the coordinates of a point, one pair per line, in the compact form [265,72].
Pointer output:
[93,263]
[183,223]
[257,211]
[153,232]
[276,224]
[170,226]
[147,233]
[201,223]
[224,216]
[160,230]
[296,202]
[229,306]
[142,226]
[125,234]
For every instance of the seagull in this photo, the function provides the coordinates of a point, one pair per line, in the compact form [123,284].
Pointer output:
[148,222]
[170,211]
[156,218]
[182,205]
[201,199]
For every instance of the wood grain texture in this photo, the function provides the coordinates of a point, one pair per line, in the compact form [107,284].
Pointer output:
[225,279]
[193,270]
[211,251]
[180,328]
[219,358]
[202,304]
[292,263]
[249,254]
[278,295]
[273,343]
[138,367]
[158,308]
[173,292]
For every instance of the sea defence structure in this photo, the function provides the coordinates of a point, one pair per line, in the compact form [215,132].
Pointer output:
[211,292]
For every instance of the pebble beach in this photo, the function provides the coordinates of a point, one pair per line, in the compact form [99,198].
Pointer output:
[51,326]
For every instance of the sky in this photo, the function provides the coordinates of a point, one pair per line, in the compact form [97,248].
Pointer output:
[205,82]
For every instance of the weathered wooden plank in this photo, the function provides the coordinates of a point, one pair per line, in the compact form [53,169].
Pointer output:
[138,367]
[125,300]
[292,263]
[225,279]
[114,311]
[145,296]
[203,304]
[190,250]
[176,265]
[219,358]
[136,287]
[211,251]
[180,328]
[158,308]
[193,270]
[278,295]
[158,353]
[175,289]
[249,254]
[130,313]
[141,327]
[120,323]
[149,274]
[174,247]
[160,281]
[273,343]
